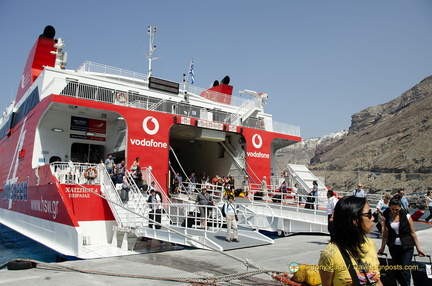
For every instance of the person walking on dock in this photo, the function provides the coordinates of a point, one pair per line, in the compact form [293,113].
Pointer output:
[429,204]
[331,204]
[351,256]
[231,219]
[399,235]
[359,192]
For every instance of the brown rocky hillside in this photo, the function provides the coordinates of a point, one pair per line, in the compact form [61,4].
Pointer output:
[387,147]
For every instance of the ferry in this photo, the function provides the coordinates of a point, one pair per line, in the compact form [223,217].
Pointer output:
[64,123]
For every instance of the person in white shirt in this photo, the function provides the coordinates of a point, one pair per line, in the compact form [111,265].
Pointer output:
[331,204]
[154,201]
[264,189]
[246,186]
[294,192]
[429,204]
[230,215]
[359,192]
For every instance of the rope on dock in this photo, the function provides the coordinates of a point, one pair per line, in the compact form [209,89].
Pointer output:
[216,280]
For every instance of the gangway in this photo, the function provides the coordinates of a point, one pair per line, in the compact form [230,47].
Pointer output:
[180,223]
[286,216]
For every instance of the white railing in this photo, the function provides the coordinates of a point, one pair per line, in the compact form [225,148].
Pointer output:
[76,89]
[77,173]
[285,128]
[109,71]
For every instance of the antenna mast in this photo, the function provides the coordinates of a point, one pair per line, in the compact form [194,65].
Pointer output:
[151,31]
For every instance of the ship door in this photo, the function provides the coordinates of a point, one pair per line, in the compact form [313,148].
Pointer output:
[87,153]
[199,150]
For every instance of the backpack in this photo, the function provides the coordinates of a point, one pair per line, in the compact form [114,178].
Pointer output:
[157,193]
[160,196]
[223,210]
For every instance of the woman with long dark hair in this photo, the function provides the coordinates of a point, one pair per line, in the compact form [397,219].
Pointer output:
[399,234]
[350,257]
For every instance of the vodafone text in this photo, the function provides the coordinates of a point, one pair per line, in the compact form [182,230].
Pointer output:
[149,143]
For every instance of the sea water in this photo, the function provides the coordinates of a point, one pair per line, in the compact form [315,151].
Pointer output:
[14,245]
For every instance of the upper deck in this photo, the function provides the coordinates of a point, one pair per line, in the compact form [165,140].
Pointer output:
[117,86]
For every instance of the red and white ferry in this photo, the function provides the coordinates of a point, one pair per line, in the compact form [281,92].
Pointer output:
[52,192]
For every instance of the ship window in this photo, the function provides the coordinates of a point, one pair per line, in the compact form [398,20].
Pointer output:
[26,107]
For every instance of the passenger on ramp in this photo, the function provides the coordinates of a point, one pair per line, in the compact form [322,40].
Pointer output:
[156,209]
[231,218]
[205,201]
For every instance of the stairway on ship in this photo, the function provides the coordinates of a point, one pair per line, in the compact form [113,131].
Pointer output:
[133,220]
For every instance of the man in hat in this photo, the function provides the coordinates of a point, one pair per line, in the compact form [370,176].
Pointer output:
[246,186]
[204,200]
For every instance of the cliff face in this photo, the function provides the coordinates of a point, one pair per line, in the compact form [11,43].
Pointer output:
[387,147]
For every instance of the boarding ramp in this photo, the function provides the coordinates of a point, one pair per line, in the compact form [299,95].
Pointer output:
[286,215]
[180,223]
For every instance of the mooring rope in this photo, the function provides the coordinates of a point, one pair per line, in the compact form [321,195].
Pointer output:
[214,280]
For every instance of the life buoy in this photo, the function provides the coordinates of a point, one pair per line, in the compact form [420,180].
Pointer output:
[90,173]
[121,97]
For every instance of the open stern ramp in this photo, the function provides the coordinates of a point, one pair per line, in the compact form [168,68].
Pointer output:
[181,225]
[177,223]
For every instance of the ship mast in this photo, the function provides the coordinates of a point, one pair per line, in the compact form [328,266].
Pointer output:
[151,31]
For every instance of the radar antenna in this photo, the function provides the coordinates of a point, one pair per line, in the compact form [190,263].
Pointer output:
[151,31]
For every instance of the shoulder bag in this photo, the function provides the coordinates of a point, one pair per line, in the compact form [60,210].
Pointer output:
[351,269]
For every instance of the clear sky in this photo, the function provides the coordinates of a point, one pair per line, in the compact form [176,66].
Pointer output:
[319,61]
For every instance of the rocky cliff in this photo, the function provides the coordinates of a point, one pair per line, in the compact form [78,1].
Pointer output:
[387,147]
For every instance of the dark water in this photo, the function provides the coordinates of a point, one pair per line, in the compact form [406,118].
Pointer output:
[14,245]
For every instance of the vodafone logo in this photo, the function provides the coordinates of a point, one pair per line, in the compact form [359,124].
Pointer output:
[256,138]
[154,125]
[151,127]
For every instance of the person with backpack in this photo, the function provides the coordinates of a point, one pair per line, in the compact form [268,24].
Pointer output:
[359,192]
[229,211]
[154,201]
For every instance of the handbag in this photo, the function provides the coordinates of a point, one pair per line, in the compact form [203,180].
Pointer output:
[236,217]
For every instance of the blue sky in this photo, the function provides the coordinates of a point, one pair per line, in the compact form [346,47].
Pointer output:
[319,61]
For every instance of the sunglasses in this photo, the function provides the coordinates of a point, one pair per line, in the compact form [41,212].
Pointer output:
[368,214]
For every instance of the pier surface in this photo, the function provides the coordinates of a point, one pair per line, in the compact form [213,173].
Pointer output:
[186,264]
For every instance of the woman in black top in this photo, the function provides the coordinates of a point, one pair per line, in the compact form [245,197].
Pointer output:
[399,235]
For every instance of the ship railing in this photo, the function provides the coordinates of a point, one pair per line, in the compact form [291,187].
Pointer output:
[245,110]
[149,178]
[135,193]
[216,192]
[287,201]
[300,202]
[189,215]
[73,88]
[109,71]
[285,128]
[76,173]
[111,193]
[218,96]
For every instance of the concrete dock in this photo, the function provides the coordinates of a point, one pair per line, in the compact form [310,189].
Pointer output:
[186,266]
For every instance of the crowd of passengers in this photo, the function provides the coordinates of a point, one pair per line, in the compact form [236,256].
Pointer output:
[194,182]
